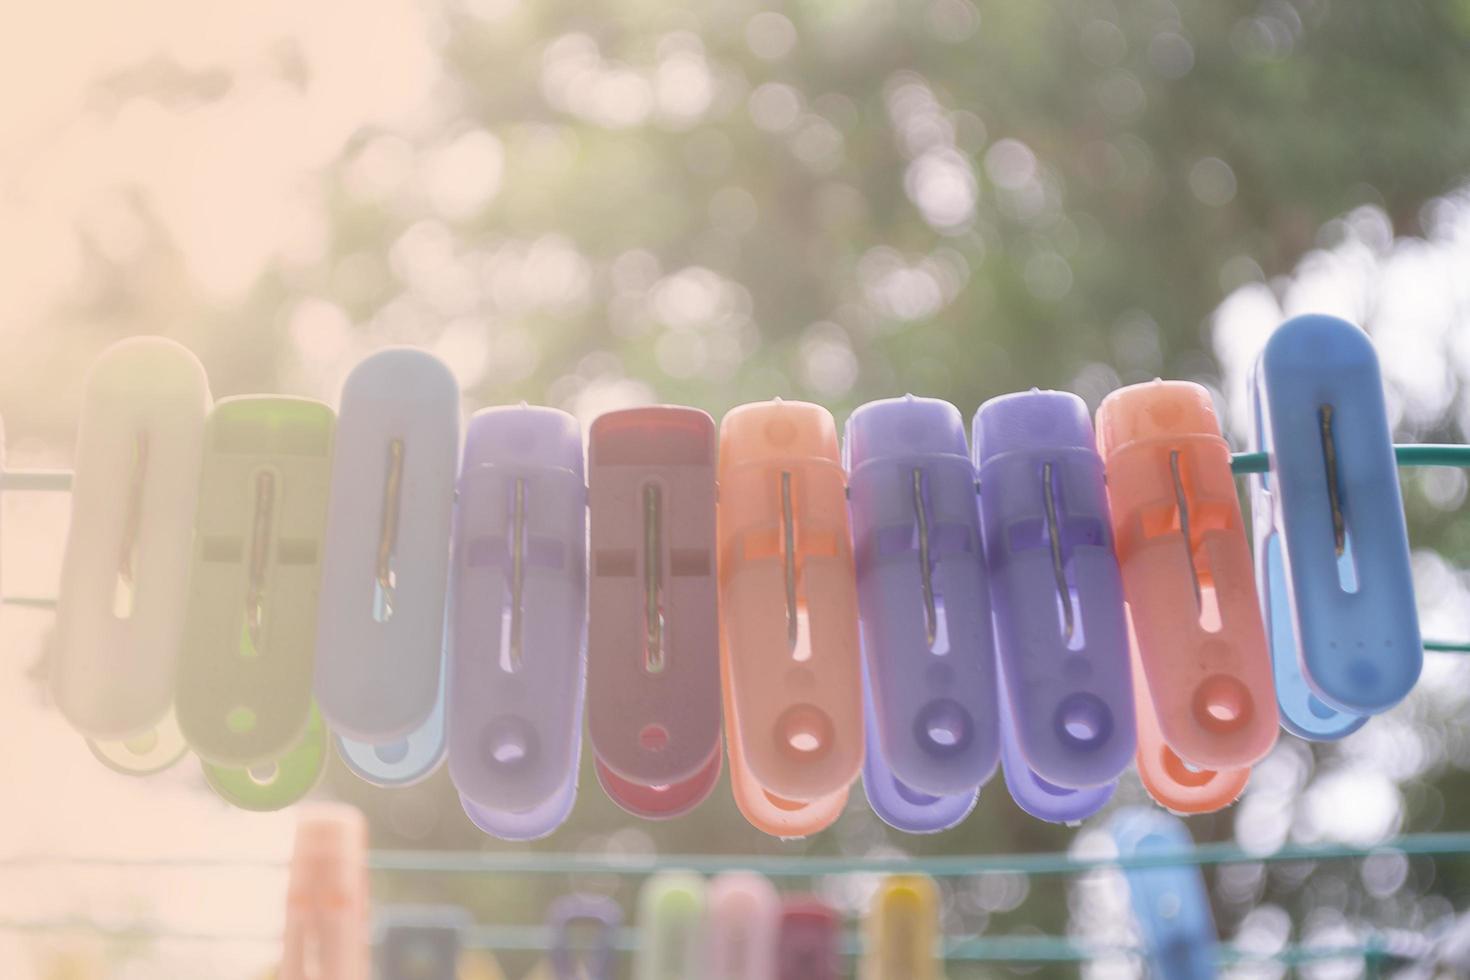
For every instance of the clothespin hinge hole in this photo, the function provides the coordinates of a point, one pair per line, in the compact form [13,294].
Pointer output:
[1222,703]
[1083,720]
[653,738]
[944,727]
[805,731]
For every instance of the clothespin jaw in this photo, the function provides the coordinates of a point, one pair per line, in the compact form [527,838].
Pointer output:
[1187,573]
[404,761]
[125,575]
[420,942]
[1056,590]
[1334,502]
[518,621]
[762,809]
[902,930]
[276,784]
[595,961]
[788,601]
[1174,784]
[743,919]
[653,711]
[1035,796]
[245,679]
[897,804]
[1170,905]
[385,563]
[923,594]
[807,945]
[327,931]
[671,908]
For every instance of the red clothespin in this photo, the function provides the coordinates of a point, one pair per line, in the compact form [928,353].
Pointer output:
[327,933]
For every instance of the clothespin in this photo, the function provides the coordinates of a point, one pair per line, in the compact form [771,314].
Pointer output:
[1332,543]
[1034,795]
[385,565]
[327,930]
[901,931]
[280,782]
[788,607]
[1170,905]
[1058,599]
[595,914]
[807,944]
[245,679]
[1187,574]
[924,605]
[898,805]
[671,922]
[518,621]
[743,921]
[420,942]
[125,575]
[1174,784]
[653,710]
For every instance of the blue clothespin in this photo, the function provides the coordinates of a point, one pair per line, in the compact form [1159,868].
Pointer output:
[1335,523]
[385,566]
[1170,905]
[420,942]
[596,960]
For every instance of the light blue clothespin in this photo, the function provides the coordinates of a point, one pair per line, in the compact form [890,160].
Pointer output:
[1170,905]
[385,566]
[420,943]
[1331,543]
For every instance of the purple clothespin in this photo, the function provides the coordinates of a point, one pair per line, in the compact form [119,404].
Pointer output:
[900,806]
[594,961]
[1037,797]
[924,607]
[518,621]
[1054,582]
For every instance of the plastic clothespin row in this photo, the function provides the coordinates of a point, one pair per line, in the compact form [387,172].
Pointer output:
[807,946]
[901,931]
[592,960]
[924,603]
[1173,783]
[788,609]
[1170,905]
[245,678]
[671,908]
[385,565]
[420,942]
[1057,592]
[327,933]
[125,574]
[1034,795]
[1331,540]
[653,659]
[518,621]
[742,923]
[1187,574]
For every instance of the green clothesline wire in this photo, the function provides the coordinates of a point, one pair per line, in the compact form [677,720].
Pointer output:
[534,939]
[1455,844]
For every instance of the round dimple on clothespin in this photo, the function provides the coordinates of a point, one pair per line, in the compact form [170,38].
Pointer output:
[275,785]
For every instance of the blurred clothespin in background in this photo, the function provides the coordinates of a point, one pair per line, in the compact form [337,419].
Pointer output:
[1170,905]
[327,931]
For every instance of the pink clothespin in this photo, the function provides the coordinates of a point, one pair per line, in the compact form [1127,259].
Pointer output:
[327,930]
[653,656]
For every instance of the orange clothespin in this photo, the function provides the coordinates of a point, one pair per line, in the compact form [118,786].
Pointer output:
[327,933]
[789,619]
[1188,579]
